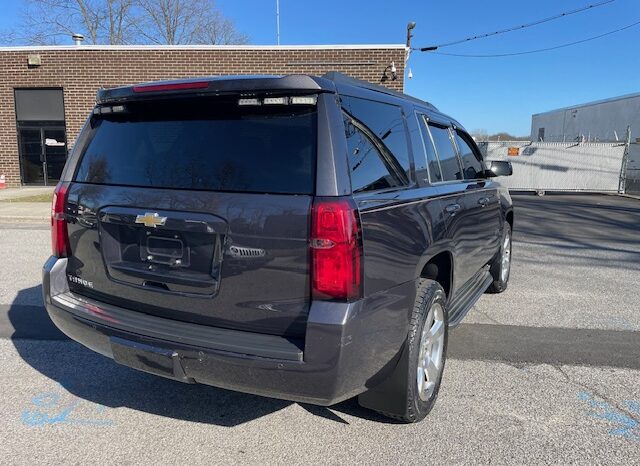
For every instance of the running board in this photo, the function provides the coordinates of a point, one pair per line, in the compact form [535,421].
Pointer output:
[468,296]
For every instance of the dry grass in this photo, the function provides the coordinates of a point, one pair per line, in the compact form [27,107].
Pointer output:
[46,197]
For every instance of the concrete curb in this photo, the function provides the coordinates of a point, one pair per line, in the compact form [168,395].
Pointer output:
[12,194]
[37,212]
[24,219]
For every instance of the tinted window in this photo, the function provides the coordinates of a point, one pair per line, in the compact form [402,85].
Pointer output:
[471,164]
[204,144]
[432,161]
[446,153]
[368,169]
[386,122]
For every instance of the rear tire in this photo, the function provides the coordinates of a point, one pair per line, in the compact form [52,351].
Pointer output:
[419,384]
[501,264]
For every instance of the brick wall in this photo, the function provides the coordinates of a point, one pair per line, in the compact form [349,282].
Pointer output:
[81,71]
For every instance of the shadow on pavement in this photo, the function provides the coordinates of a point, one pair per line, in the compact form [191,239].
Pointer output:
[98,379]
[589,228]
[95,378]
[522,345]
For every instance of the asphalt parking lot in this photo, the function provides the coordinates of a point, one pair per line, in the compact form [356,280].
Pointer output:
[547,372]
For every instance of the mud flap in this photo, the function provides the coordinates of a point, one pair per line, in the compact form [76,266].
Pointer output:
[390,396]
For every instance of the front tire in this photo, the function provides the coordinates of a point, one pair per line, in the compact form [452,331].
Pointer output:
[501,264]
[418,383]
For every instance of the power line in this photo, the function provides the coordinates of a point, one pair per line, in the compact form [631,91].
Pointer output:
[495,55]
[516,28]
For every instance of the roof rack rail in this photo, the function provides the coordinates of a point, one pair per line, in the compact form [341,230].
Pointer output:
[338,77]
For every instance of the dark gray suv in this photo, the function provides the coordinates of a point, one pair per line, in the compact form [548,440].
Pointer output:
[299,237]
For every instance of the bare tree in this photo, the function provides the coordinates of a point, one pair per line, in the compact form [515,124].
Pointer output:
[120,21]
[125,22]
[9,37]
[187,22]
[100,21]
[219,30]
[46,21]
[480,134]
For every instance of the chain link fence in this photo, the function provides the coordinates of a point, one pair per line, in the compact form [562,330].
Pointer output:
[632,175]
[572,166]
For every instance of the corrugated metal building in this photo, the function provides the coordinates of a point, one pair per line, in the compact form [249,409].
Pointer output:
[600,121]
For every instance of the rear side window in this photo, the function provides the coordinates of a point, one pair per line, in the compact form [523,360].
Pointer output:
[435,175]
[446,153]
[386,122]
[204,143]
[370,170]
[471,159]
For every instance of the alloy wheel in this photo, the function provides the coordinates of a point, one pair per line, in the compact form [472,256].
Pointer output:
[430,362]
[506,258]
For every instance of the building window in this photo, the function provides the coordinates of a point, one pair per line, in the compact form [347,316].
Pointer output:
[42,143]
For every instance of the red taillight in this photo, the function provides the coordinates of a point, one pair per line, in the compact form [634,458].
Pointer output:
[335,250]
[59,234]
[171,87]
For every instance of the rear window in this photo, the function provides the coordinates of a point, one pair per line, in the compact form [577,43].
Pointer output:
[204,143]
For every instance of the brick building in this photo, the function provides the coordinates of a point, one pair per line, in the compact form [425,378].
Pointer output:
[46,93]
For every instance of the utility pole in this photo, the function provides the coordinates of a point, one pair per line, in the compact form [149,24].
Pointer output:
[410,27]
[278,21]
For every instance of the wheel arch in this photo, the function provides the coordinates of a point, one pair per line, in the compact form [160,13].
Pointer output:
[438,265]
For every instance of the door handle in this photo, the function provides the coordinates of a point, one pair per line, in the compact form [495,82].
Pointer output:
[483,201]
[452,208]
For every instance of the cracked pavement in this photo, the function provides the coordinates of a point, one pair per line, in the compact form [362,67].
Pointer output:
[546,373]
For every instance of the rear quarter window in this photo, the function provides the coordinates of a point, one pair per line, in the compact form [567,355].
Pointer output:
[386,122]
[369,172]
[203,144]
[446,152]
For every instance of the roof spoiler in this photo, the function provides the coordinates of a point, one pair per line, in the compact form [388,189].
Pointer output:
[217,85]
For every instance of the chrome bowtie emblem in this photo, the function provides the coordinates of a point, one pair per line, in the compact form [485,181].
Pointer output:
[151,220]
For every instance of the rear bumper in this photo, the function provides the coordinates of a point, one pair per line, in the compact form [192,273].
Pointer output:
[348,347]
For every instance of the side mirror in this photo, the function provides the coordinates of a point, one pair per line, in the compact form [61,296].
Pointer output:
[499,168]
